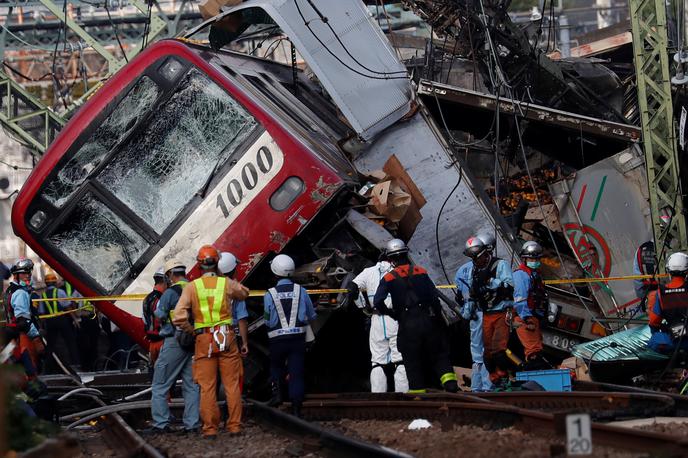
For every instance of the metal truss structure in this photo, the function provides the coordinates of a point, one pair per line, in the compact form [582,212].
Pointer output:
[648,21]
[31,122]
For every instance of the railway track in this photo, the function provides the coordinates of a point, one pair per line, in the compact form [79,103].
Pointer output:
[602,405]
[493,416]
[533,413]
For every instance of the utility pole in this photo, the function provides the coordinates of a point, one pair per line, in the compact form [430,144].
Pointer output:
[648,22]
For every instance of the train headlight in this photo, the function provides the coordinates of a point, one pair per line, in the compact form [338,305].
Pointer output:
[171,69]
[287,193]
[38,220]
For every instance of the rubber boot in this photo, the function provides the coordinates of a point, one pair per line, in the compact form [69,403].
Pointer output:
[276,398]
[451,386]
[296,409]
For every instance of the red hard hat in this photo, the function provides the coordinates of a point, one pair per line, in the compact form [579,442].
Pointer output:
[208,255]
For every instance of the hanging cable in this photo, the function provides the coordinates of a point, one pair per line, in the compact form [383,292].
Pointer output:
[337,58]
[15,167]
[114,26]
[327,23]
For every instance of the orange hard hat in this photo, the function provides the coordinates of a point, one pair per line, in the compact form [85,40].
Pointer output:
[208,255]
[50,277]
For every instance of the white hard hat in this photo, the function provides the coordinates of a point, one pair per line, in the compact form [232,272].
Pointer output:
[175,266]
[474,247]
[396,246]
[227,263]
[160,273]
[282,265]
[488,239]
[677,263]
[531,249]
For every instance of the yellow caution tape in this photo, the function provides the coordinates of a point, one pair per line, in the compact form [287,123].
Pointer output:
[260,293]
[568,281]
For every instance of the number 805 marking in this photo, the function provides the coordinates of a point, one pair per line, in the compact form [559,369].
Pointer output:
[250,174]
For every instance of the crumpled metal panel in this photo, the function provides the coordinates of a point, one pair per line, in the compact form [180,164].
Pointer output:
[429,163]
[371,98]
[628,345]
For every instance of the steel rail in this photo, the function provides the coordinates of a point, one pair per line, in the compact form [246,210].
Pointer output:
[601,404]
[338,443]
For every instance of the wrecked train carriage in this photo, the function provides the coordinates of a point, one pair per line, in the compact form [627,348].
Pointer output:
[188,145]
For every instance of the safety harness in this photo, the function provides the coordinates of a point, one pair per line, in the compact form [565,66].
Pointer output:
[486,298]
[290,327]
[537,295]
[9,309]
[674,305]
[152,324]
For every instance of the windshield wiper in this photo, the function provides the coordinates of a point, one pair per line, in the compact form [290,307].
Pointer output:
[204,190]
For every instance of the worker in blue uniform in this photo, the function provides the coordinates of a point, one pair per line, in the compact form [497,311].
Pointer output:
[485,287]
[173,361]
[288,313]
[21,325]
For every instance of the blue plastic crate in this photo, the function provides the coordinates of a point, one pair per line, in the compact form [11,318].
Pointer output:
[551,380]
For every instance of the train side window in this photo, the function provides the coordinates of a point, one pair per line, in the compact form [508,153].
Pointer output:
[286,194]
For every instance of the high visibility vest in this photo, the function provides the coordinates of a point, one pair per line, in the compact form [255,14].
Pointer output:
[52,306]
[211,317]
[86,305]
[292,298]
[177,287]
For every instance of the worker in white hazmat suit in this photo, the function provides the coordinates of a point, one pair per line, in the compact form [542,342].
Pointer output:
[383,330]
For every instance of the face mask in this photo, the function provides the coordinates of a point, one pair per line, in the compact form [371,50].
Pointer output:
[534,264]
[24,284]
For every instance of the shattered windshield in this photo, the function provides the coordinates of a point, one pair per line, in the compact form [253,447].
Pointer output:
[158,172]
[99,241]
[137,103]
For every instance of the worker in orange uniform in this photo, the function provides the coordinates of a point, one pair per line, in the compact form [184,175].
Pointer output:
[150,322]
[205,309]
[531,305]
[668,308]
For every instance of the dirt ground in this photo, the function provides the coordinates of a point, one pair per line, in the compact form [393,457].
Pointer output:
[254,442]
[461,440]
[675,429]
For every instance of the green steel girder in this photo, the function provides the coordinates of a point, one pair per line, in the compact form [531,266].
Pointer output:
[157,25]
[26,117]
[648,22]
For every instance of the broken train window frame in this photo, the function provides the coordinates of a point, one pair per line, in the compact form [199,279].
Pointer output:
[57,215]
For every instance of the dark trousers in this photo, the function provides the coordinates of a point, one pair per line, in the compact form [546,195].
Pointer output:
[88,337]
[422,339]
[62,328]
[289,351]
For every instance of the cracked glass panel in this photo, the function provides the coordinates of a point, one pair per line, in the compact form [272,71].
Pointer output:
[137,103]
[99,241]
[190,136]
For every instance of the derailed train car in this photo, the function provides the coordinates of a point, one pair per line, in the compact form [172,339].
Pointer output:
[192,143]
